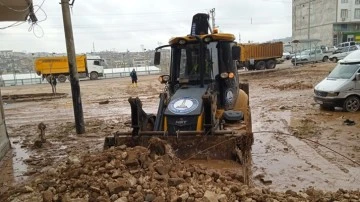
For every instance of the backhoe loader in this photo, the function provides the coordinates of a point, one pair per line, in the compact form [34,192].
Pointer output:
[204,111]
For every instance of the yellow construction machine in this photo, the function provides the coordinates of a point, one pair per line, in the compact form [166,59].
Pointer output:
[204,110]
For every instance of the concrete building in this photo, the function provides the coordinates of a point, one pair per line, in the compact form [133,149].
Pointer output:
[331,21]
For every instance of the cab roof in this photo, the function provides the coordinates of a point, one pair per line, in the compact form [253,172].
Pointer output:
[214,37]
[352,57]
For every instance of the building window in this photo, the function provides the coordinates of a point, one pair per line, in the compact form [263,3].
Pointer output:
[357,2]
[357,13]
[344,13]
[344,1]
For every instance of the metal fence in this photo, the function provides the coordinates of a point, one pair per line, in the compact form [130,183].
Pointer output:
[15,81]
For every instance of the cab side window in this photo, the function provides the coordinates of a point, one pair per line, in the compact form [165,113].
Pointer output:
[96,62]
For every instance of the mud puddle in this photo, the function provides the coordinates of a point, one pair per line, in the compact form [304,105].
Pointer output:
[290,163]
[13,167]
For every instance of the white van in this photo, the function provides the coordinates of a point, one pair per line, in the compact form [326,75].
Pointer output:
[341,88]
[346,44]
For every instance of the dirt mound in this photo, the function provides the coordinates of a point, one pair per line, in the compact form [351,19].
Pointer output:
[32,97]
[139,174]
[299,85]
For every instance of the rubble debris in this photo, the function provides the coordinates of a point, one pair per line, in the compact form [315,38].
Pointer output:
[104,102]
[142,175]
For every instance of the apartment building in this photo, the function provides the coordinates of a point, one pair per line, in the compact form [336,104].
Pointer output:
[331,21]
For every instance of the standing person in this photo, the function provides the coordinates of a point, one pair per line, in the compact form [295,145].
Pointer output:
[53,83]
[133,78]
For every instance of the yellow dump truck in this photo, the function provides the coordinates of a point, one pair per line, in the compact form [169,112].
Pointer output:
[259,55]
[87,66]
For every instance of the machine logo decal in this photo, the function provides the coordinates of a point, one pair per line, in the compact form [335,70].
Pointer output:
[229,96]
[183,105]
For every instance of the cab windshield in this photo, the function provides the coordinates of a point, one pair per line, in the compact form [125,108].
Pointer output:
[344,71]
[189,62]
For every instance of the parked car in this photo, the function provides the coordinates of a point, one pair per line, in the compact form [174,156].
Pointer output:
[286,55]
[307,56]
[341,88]
[345,52]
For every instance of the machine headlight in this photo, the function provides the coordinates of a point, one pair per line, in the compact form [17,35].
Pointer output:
[231,75]
[207,39]
[224,75]
[182,41]
[332,94]
[164,78]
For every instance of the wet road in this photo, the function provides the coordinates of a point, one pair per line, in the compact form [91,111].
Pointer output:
[280,101]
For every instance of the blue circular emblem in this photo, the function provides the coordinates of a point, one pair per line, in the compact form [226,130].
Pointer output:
[229,96]
[183,105]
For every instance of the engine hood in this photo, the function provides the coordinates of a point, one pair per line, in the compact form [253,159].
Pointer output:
[331,85]
[186,101]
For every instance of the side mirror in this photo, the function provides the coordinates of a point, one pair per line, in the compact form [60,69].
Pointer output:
[157,58]
[164,78]
[235,53]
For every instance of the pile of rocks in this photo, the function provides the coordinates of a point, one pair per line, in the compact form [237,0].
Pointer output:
[124,174]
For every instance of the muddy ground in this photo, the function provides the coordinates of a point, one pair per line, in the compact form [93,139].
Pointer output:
[281,103]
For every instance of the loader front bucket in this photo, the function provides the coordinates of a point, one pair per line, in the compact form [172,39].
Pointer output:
[195,147]
[190,144]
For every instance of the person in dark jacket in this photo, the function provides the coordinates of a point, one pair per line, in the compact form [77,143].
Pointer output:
[53,83]
[133,78]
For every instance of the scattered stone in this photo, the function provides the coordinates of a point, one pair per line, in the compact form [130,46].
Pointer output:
[47,196]
[175,181]
[210,196]
[122,147]
[122,199]
[150,197]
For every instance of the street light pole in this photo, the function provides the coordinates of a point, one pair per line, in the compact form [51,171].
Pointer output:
[74,77]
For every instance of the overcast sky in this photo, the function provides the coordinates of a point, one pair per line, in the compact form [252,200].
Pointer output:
[121,25]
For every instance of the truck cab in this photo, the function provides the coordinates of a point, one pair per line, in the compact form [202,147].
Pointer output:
[94,67]
[341,88]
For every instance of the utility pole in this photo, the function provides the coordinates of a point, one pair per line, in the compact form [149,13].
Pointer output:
[309,27]
[309,22]
[212,12]
[74,77]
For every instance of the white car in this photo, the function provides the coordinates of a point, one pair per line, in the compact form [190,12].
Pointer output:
[287,55]
[341,88]
[344,52]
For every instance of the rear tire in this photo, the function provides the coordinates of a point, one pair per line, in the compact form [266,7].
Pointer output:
[261,65]
[325,59]
[335,60]
[62,78]
[351,104]
[270,64]
[94,75]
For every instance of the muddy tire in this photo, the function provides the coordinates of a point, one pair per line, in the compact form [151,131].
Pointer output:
[94,75]
[261,65]
[270,64]
[325,59]
[62,78]
[351,104]
[327,107]
[335,60]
